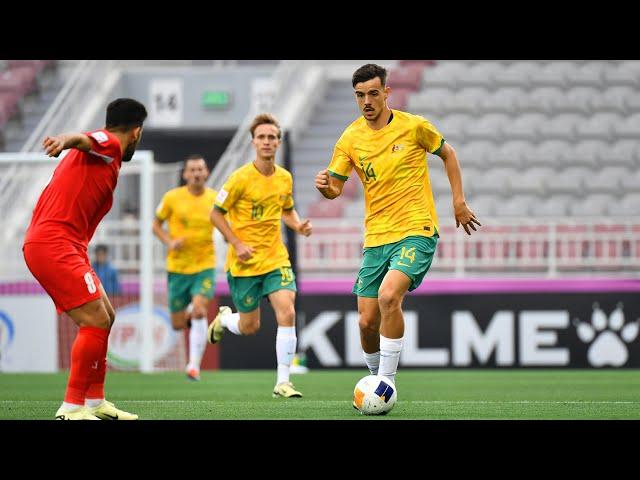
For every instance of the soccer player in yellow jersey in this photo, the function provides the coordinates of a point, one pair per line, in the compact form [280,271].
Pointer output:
[191,258]
[387,148]
[254,198]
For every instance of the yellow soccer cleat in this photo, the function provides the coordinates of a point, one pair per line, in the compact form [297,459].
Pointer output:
[81,413]
[286,390]
[215,331]
[107,411]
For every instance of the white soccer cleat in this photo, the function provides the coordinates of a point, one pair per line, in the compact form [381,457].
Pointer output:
[81,413]
[107,411]
[215,330]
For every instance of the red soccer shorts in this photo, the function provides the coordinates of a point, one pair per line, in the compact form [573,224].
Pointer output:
[65,272]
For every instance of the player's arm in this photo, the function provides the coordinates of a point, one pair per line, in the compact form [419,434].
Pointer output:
[54,145]
[328,185]
[244,252]
[163,235]
[331,180]
[292,220]
[464,215]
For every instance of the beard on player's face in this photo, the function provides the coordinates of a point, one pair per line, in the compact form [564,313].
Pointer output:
[131,149]
[128,153]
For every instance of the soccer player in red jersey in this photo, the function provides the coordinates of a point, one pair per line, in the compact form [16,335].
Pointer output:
[78,196]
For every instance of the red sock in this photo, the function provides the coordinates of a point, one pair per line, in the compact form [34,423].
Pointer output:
[96,381]
[86,353]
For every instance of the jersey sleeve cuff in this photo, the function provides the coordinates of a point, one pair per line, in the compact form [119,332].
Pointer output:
[219,209]
[337,175]
[437,150]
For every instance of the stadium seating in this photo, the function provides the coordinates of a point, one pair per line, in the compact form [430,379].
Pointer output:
[20,87]
[562,135]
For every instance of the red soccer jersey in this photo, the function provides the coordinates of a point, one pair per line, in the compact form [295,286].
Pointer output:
[79,194]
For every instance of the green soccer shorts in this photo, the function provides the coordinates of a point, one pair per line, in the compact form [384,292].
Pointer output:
[411,255]
[182,287]
[247,292]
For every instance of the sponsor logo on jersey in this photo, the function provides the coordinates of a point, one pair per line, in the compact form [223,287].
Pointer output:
[222,195]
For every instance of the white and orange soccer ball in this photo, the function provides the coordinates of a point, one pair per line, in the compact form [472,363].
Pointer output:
[374,395]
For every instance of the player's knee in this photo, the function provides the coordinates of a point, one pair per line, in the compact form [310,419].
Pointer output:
[387,300]
[199,312]
[288,316]
[251,328]
[94,315]
[178,323]
[102,321]
[368,324]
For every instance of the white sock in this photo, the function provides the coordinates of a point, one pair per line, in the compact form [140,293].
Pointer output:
[285,350]
[373,361]
[230,322]
[197,341]
[390,349]
[70,407]
[93,402]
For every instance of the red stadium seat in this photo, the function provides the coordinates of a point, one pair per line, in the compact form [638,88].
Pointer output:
[422,63]
[398,98]
[10,82]
[39,65]
[409,77]
[27,76]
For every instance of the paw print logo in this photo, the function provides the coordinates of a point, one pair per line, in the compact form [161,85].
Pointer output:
[608,336]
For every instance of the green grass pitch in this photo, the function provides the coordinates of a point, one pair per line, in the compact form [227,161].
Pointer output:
[422,394]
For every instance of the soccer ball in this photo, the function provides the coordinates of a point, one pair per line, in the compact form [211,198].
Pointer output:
[374,395]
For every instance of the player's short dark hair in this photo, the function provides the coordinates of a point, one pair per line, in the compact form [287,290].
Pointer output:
[193,156]
[125,113]
[265,119]
[101,247]
[369,72]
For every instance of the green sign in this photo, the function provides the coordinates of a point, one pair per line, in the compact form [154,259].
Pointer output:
[216,99]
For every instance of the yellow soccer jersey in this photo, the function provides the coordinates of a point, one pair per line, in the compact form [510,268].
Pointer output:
[188,217]
[392,165]
[254,203]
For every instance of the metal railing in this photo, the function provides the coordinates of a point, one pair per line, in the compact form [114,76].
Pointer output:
[553,248]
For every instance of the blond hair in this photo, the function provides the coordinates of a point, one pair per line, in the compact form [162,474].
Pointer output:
[265,119]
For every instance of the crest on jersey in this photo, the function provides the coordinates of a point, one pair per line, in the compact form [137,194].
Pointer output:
[100,136]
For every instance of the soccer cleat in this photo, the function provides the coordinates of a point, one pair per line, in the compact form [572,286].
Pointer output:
[286,390]
[193,374]
[81,413]
[107,411]
[215,331]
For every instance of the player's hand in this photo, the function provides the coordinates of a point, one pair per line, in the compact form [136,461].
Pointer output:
[244,252]
[176,244]
[465,217]
[322,179]
[305,228]
[53,146]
